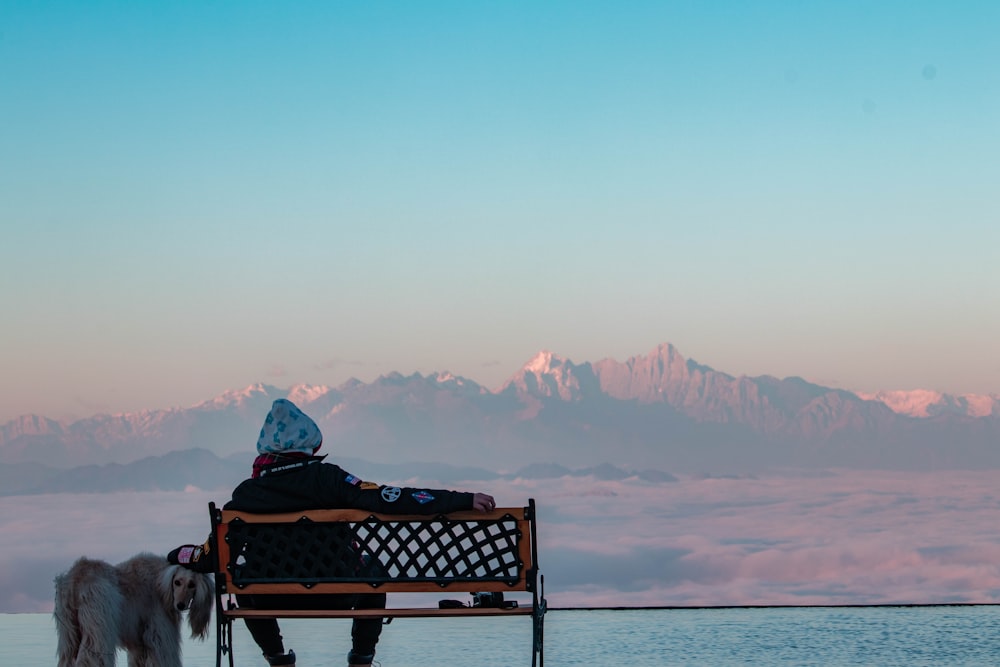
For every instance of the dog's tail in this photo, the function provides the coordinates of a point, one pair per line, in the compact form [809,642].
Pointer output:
[67,626]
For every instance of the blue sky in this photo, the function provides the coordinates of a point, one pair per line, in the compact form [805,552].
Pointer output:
[198,196]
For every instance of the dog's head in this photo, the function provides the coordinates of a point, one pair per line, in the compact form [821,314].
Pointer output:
[186,590]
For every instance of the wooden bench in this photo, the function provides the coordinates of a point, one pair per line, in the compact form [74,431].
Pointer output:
[354,551]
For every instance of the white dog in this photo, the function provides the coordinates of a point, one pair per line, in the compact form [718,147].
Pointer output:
[136,604]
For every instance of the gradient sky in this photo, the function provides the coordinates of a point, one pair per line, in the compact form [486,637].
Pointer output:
[198,196]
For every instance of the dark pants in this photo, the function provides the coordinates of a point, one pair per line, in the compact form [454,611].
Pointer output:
[265,631]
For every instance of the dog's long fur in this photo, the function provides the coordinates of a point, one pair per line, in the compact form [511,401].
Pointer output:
[136,604]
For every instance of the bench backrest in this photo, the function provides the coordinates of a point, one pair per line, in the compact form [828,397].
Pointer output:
[354,551]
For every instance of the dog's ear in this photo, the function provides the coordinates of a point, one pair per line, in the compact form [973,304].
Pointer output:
[165,586]
[201,608]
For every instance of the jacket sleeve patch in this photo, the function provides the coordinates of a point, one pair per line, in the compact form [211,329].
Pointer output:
[422,497]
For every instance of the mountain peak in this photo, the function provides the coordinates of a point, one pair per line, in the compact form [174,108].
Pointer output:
[29,425]
[550,375]
[665,350]
[448,378]
[929,403]
[240,397]
[303,394]
[543,362]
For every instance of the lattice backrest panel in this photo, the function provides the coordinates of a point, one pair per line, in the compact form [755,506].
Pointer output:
[375,551]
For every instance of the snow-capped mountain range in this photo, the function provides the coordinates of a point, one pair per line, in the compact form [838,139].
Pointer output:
[658,410]
[925,403]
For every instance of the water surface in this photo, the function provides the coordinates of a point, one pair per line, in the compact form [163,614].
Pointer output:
[827,636]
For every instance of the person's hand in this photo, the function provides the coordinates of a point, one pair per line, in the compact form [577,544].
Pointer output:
[483,502]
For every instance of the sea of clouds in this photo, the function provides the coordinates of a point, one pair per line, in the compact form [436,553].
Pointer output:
[836,537]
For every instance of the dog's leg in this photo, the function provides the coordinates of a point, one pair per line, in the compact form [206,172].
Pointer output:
[162,639]
[138,657]
[99,617]
[67,627]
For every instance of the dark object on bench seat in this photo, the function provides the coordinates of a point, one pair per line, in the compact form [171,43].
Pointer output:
[355,551]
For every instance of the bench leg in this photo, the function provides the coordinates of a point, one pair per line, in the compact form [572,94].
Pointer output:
[224,640]
[539,607]
[538,637]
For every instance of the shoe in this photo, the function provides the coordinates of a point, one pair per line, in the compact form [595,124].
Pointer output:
[283,659]
[359,659]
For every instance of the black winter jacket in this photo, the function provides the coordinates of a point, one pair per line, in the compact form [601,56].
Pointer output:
[311,484]
[304,484]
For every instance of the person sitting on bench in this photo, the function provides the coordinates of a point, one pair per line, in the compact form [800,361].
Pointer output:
[288,476]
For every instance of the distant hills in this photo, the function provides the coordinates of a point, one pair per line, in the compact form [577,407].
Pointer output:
[654,412]
[198,468]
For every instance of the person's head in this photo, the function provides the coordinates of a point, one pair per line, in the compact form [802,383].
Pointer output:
[288,430]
